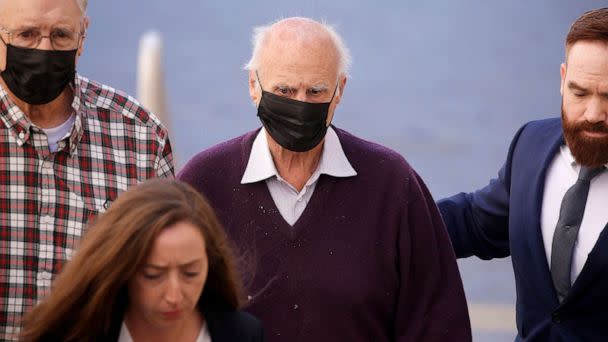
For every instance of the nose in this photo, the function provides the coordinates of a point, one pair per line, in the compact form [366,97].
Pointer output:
[173,293]
[45,43]
[301,96]
[597,110]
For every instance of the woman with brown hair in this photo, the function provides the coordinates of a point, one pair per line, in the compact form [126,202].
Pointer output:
[155,267]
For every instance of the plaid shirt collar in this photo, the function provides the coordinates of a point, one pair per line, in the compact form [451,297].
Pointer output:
[19,124]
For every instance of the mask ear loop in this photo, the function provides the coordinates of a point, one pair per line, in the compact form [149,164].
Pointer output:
[2,39]
[332,98]
[335,91]
[258,79]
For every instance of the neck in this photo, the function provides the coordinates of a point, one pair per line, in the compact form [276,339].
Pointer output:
[186,329]
[295,168]
[47,115]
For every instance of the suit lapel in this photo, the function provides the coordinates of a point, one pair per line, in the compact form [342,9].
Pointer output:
[221,326]
[546,154]
[596,261]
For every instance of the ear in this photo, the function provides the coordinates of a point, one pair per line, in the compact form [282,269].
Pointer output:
[85,26]
[562,73]
[254,88]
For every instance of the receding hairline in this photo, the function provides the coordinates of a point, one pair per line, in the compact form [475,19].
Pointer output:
[299,34]
[569,46]
[591,26]
[302,29]
[82,4]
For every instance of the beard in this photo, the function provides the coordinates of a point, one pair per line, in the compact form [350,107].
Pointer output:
[587,151]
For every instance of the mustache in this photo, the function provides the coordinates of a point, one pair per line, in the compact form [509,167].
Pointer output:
[597,127]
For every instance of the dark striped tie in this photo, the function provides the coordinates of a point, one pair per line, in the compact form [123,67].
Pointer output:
[566,231]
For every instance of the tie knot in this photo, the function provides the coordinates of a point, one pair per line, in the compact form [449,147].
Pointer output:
[587,174]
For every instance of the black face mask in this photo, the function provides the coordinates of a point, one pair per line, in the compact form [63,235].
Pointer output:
[38,76]
[295,125]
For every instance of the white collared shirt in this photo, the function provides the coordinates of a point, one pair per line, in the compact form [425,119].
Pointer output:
[125,335]
[289,201]
[561,175]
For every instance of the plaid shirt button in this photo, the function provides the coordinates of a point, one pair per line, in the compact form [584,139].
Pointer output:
[45,276]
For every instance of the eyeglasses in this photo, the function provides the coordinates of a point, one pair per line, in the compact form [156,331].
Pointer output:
[29,38]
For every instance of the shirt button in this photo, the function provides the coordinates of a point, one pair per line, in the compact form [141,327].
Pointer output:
[21,135]
[556,318]
[45,275]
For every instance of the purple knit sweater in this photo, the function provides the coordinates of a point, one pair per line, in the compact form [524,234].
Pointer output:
[368,260]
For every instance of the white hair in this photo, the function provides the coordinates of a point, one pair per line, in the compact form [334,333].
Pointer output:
[83,5]
[260,34]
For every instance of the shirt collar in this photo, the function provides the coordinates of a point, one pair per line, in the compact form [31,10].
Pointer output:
[333,161]
[19,124]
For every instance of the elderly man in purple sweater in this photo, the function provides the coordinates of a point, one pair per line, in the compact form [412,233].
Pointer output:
[346,240]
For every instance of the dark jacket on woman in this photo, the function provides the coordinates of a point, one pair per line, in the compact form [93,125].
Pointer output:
[229,326]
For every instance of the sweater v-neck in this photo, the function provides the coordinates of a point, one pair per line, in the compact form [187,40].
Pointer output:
[313,210]
[310,215]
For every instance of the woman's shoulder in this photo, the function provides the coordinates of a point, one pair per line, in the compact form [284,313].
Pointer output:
[234,326]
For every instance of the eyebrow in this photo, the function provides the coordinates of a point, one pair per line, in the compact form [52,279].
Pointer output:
[184,265]
[282,85]
[319,88]
[25,27]
[575,86]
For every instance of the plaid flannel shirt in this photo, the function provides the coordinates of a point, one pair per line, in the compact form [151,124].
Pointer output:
[46,199]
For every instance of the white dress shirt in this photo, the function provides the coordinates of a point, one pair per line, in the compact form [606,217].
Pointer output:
[125,335]
[289,201]
[561,175]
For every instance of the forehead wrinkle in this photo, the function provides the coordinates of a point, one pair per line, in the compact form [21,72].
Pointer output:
[37,24]
[298,50]
[304,78]
[588,65]
[40,16]
[587,77]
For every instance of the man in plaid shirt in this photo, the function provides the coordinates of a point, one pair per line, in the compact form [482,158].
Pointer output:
[68,147]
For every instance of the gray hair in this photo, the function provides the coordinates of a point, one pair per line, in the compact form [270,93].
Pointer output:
[83,5]
[261,32]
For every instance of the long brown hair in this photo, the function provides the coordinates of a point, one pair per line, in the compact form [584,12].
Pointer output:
[90,293]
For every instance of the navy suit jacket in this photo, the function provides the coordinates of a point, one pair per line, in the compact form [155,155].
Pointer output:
[504,219]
